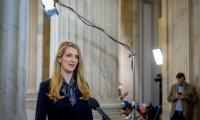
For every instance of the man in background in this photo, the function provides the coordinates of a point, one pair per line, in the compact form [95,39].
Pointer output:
[183,97]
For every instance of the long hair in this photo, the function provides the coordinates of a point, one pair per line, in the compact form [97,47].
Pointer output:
[56,78]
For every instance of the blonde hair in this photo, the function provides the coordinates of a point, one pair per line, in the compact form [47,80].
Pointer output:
[56,80]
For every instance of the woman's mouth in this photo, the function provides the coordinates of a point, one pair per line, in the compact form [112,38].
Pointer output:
[72,65]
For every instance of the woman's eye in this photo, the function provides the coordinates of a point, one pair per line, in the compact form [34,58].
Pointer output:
[68,55]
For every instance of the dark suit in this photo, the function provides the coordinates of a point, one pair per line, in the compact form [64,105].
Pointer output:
[187,103]
[61,109]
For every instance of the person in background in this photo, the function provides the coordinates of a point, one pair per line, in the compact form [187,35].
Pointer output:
[65,95]
[183,97]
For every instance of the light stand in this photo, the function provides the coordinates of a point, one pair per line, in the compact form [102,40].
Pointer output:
[158,78]
[132,55]
[159,61]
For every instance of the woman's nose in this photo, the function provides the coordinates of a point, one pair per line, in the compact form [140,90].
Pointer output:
[74,59]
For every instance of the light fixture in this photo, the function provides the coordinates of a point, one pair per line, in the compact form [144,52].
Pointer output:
[158,56]
[49,7]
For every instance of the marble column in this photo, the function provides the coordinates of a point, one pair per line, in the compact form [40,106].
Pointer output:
[99,52]
[176,44]
[195,51]
[38,50]
[13,61]
[127,17]
[32,51]
[136,45]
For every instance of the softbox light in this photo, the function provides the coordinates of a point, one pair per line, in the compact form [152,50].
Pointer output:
[158,56]
[49,7]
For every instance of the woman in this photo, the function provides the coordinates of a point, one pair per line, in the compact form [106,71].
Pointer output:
[65,95]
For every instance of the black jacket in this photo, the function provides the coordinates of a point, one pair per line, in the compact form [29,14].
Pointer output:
[61,109]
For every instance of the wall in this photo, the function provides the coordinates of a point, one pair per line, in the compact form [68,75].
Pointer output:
[180,40]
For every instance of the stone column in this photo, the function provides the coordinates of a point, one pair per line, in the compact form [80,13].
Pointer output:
[195,51]
[126,77]
[137,46]
[32,52]
[176,45]
[13,47]
[38,50]
[165,86]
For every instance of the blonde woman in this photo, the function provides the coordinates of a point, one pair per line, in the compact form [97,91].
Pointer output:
[65,95]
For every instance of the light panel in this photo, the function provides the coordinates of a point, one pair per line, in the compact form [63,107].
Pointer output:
[158,56]
[49,7]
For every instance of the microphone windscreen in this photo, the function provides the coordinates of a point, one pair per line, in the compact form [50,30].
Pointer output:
[93,103]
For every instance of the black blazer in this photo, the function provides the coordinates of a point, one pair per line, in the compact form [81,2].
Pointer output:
[61,109]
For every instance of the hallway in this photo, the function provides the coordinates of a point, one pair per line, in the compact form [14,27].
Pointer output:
[29,41]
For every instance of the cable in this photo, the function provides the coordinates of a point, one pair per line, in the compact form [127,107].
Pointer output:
[87,22]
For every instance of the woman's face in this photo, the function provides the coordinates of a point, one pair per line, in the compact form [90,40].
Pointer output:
[69,60]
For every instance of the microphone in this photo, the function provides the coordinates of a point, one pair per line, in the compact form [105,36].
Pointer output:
[93,103]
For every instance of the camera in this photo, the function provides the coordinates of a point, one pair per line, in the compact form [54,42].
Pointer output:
[158,78]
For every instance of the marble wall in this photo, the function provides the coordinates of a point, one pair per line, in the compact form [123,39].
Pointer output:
[38,44]
[180,41]
[126,76]
[13,59]
[195,50]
